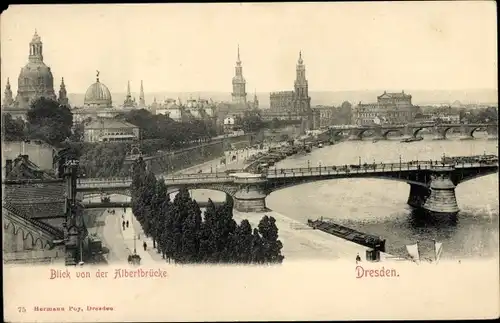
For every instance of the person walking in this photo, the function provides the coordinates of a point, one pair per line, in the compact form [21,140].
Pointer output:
[123,224]
[145,245]
[358,258]
[127,223]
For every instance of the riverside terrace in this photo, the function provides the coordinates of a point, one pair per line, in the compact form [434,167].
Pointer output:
[411,130]
[432,183]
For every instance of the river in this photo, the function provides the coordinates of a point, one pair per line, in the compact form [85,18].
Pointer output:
[379,206]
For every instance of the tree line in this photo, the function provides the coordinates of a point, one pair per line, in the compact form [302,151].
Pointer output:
[182,234]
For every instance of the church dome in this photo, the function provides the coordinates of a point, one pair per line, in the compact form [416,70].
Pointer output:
[36,76]
[98,96]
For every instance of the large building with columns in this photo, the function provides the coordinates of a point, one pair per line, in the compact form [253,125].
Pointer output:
[390,108]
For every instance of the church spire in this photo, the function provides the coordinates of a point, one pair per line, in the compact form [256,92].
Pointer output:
[129,102]
[239,95]
[238,60]
[142,102]
[63,96]
[7,99]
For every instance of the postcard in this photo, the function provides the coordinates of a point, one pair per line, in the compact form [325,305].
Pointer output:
[250,161]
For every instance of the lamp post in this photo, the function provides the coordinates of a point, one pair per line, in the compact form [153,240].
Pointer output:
[308,164]
[359,161]
[400,163]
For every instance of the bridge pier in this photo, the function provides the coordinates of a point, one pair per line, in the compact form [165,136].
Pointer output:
[442,199]
[466,133]
[492,132]
[355,135]
[251,195]
[439,134]
[418,195]
[250,199]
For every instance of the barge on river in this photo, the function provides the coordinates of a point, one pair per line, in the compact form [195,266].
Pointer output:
[340,231]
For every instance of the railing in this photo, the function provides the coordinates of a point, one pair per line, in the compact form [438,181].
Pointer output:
[200,178]
[91,183]
[369,168]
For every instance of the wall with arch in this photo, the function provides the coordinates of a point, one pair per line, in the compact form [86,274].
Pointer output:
[18,238]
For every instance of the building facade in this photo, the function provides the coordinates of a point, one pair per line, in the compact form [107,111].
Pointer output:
[35,81]
[326,115]
[296,103]
[110,130]
[391,108]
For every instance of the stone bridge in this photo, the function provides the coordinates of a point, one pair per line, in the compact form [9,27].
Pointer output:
[432,183]
[381,132]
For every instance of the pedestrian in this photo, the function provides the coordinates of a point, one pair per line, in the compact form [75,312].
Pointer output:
[145,245]
[127,223]
[358,258]
[123,225]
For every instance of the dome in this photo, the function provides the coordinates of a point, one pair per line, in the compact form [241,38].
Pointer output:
[36,75]
[98,95]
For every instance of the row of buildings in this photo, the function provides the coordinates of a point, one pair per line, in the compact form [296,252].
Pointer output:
[98,110]
[36,80]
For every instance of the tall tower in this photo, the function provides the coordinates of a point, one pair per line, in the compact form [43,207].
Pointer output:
[142,102]
[239,94]
[302,101]
[63,95]
[255,100]
[8,100]
[128,99]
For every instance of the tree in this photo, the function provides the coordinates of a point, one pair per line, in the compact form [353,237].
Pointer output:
[208,246]
[182,235]
[243,242]
[14,128]
[271,245]
[49,121]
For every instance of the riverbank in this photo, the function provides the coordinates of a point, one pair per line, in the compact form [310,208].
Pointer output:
[300,242]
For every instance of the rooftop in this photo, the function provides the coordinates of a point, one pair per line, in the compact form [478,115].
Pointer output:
[109,123]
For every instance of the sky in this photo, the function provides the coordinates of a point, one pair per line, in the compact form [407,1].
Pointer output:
[192,47]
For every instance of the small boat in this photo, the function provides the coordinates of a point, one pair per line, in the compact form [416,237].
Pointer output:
[412,139]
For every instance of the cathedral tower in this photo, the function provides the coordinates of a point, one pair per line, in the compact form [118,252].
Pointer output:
[302,101]
[239,94]
[63,95]
[142,102]
[128,103]
[8,100]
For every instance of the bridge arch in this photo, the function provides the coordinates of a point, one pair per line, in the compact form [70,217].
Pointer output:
[475,176]
[416,130]
[474,129]
[219,188]
[385,133]
[313,180]
[361,132]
